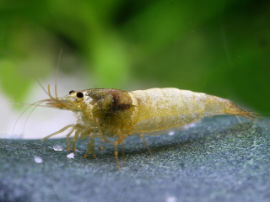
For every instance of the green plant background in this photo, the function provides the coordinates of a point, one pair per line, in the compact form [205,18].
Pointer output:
[218,47]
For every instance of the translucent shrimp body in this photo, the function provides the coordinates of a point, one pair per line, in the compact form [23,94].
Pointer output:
[112,115]
[164,108]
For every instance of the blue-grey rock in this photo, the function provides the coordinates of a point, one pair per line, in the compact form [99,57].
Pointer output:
[219,159]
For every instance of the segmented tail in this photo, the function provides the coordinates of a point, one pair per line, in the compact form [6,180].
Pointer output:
[237,110]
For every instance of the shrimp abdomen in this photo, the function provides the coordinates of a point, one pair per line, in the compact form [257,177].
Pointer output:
[164,108]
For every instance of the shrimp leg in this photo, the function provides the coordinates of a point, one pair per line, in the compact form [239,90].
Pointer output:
[59,131]
[146,145]
[67,139]
[90,148]
[74,140]
[116,143]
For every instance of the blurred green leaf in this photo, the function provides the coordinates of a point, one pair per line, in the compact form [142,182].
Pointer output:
[164,21]
[110,62]
[13,80]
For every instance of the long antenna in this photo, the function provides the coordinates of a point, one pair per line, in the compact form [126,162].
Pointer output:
[60,56]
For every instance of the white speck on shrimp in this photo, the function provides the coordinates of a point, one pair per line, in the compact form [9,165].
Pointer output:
[38,159]
[171,199]
[70,156]
[171,133]
[191,125]
[57,148]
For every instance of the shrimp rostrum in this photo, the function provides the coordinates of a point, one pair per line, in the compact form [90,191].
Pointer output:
[112,115]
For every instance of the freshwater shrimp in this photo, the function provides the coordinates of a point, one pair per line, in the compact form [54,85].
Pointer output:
[112,115]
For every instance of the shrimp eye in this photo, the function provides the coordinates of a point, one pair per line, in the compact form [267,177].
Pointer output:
[70,92]
[79,94]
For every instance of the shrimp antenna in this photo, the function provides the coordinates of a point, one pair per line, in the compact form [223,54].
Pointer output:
[60,56]
[42,87]
[47,92]
[19,117]
[35,104]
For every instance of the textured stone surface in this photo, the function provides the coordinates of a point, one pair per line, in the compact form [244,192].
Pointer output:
[219,159]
